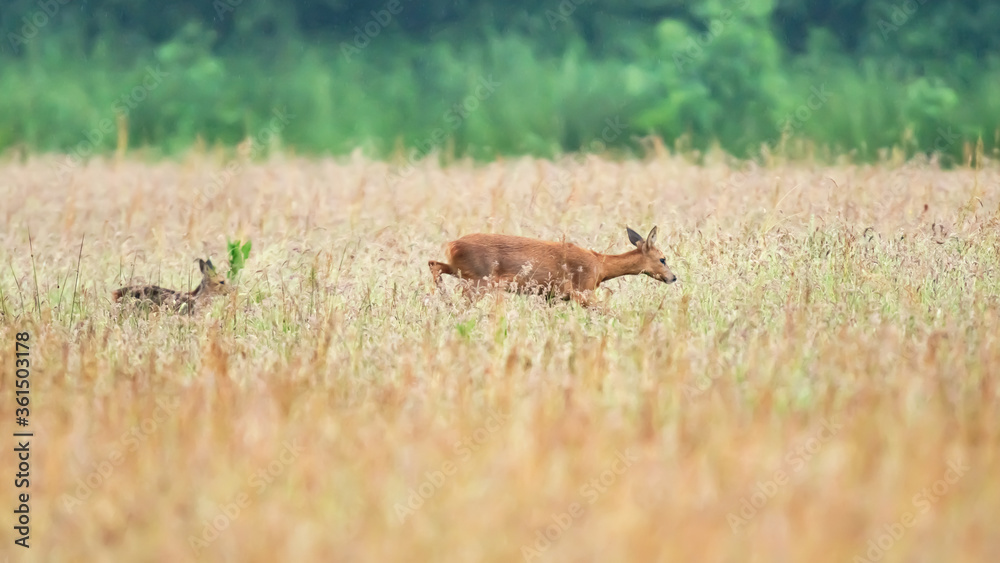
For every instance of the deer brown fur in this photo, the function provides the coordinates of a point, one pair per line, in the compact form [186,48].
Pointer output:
[559,269]
[211,283]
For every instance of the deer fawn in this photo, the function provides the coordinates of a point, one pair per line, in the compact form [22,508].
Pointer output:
[211,283]
[560,269]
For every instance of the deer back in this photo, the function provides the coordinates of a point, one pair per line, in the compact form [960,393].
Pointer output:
[506,256]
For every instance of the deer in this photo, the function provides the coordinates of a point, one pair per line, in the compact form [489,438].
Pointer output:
[554,269]
[212,283]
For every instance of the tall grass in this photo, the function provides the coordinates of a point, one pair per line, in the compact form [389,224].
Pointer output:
[827,352]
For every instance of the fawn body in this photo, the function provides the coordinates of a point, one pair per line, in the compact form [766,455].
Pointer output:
[526,265]
[211,283]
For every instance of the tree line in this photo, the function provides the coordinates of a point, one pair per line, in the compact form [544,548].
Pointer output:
[847,76]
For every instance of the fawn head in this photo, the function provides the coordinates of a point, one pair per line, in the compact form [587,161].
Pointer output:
[211,281]
[654,263]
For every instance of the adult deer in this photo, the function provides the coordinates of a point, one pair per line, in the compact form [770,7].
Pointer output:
[557,269]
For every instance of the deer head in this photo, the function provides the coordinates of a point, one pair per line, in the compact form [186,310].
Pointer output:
[654,263]
[211,281]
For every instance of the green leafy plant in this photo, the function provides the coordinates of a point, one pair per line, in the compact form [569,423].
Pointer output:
[465,328]
[238,254]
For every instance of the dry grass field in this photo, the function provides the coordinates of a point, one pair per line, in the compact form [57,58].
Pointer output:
[821,384]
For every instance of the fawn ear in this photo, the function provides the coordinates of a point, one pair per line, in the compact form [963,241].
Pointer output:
[651,237]
[206,266]
[633,236]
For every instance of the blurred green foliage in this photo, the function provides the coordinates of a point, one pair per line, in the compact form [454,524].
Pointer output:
[501,78]
[239,252]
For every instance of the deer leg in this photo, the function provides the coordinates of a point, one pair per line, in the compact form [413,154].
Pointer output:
[472,288]
[568,292]
[438,268]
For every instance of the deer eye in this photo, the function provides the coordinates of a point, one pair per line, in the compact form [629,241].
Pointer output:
[663,261]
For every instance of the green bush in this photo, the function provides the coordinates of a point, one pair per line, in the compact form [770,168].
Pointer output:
[573,75]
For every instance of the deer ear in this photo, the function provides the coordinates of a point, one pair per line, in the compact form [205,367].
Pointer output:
[633,236]
[201,265]
[211,267]
[651,238]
